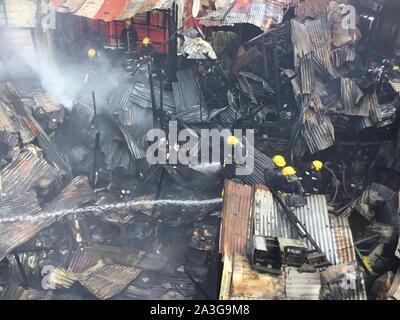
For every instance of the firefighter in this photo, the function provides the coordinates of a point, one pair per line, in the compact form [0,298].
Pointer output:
[291,188]
[147,47]
[229,162]
[312,178]
[128,36]
[273,176]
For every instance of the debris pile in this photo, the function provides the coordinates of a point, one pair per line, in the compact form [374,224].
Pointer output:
[84,214]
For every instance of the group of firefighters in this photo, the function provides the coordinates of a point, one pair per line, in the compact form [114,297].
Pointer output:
[284,179]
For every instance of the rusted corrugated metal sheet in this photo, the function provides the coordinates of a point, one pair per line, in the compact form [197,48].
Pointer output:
[302,285]
[241,282]
[236,216]
[89,8]
[13,234]
[43,101]
[111,9]
[345,251]
[261,13]
[109,280]
[83,260]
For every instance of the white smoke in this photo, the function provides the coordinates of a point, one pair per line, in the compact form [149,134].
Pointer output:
[63,81]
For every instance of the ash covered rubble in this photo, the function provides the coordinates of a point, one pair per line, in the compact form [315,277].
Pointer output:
[309,88]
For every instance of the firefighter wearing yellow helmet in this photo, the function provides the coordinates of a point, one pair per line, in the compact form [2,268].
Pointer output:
[312,178]
[232,140]
[272,175]
[146,41]
[279,161]
[92,53]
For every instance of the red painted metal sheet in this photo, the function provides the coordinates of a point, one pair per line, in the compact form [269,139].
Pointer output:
[111,9]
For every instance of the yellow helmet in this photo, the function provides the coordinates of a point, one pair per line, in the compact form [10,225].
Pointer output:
[91,53]
[317,165]
[279,161]
[288,171]
[146,41]
[232,140]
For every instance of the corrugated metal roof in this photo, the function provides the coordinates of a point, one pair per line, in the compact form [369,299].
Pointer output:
[42,100]
[241,282]
[342,55]
[302,286]
[307,73]
[83,260]
[9,120]
[89,8]
[11,140]
[345,249]
[136,150]
[311,8]
[160,285]
[110,10]
[261,13]
[109,280]
[28,127]
[261,162]
[318,133]
[350,92]
[270,221]
[13,234]
[301,41]
[320,37]
[236,215]
[187,93]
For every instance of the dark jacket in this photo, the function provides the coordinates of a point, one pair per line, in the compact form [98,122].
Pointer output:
[312,181]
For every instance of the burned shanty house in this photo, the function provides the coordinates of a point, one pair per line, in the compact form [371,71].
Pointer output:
[99,117]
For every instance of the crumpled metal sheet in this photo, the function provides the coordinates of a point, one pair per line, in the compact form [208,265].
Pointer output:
[109,280]
[261,13]
[13,234]
[351,94]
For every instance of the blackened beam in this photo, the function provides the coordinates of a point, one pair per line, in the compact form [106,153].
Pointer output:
[295,221]
[94,174]
[94,104]
[153,97]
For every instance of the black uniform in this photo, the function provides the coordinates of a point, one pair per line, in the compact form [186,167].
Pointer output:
[278,182]
[273,178]
[129,33]
[312,181]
